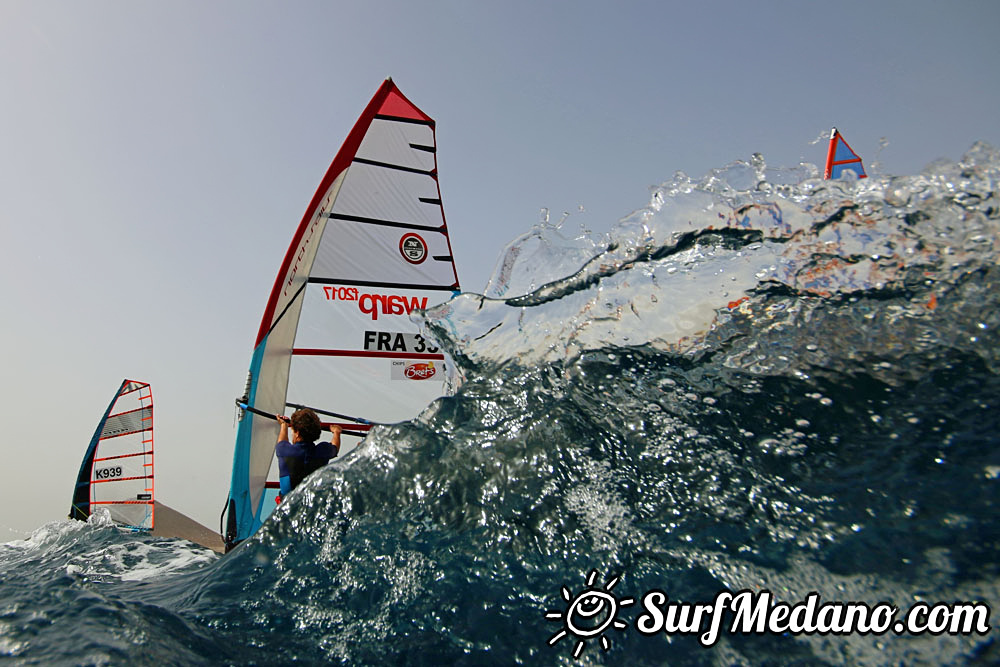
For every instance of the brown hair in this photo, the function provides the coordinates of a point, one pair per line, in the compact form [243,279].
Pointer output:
[307,425]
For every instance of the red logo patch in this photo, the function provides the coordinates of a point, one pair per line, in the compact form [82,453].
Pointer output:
[420,371]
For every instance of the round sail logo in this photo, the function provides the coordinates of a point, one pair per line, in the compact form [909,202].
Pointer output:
[413,248]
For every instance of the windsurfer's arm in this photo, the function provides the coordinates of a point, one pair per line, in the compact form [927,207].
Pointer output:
[284,480]
[336,429]
[283,429]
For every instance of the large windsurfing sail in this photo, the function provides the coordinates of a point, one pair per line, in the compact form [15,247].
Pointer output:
[117,469]
[840,157]
[336,336]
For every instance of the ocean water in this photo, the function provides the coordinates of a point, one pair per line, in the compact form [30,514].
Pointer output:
[760,381]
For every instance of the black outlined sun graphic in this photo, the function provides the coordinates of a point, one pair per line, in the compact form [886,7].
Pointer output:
[592,611]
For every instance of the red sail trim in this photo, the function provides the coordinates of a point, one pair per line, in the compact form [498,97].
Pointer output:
[128,412]
[124,456]
[831,150]
[121,479]
[121,502]
[141,429]
[317,352]
[341,162]
[396,104]
[139,387]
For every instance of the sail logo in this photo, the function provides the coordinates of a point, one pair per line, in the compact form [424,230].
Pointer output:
[420,371]
[414,370]
[389,304]
[375,304]
[413,248]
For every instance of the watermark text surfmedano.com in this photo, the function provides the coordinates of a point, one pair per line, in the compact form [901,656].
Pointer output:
[759,613]
[592,614]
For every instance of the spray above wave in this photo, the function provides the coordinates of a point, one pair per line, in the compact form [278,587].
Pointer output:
[748,246]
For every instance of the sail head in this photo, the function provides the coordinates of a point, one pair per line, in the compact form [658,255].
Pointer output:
[841,158]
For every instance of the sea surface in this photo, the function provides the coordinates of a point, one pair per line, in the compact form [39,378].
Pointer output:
[761,381]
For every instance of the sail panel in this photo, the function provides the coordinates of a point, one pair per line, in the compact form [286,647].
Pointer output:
[393,142]
[371,191]
[126,423]
[358,252]
[316,381]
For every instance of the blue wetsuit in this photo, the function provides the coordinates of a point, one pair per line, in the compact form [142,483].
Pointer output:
[298,460]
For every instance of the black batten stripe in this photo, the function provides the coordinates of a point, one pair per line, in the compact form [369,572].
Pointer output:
[285,309]
[443,258]
[385,223]
[418,147]
[368,283]
[430,200]
[400,119]
[397,167]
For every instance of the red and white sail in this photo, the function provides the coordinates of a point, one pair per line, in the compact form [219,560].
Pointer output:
[117,468]
[336,334]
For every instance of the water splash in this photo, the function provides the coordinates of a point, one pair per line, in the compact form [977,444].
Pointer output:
[759,380]
[746,242]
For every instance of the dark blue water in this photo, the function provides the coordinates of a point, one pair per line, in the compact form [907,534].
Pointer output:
[760,381]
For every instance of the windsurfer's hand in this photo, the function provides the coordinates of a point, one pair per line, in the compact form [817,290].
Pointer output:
[335,429]
[283,419]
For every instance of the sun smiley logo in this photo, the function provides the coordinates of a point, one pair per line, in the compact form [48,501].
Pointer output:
[589,614]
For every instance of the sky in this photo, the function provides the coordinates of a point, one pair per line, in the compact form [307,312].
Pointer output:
[156,157]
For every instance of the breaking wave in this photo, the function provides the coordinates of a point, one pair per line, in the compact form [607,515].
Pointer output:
[761,380]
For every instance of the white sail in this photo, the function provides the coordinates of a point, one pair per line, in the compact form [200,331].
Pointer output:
[336,335]
[117,468]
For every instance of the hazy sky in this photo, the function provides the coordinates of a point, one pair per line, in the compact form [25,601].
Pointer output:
[155,158]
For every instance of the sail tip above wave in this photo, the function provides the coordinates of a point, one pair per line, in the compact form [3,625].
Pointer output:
[841,158]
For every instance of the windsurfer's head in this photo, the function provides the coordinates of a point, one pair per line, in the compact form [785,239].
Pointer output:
[306,425]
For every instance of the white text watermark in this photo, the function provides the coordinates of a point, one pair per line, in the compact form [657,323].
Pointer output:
[591,613]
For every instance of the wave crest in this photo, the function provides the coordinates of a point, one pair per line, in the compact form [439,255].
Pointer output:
[747,250]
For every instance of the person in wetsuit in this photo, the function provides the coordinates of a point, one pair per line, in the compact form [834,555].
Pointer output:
[298,453]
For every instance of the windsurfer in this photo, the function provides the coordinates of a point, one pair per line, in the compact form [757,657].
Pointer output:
[299,455]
